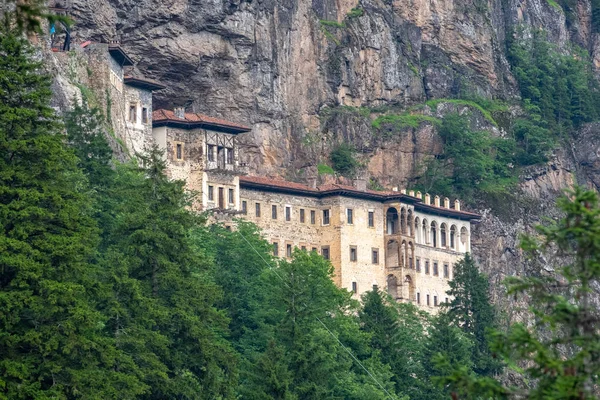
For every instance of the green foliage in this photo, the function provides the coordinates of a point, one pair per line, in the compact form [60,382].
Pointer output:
[535,141]
[332,24]
[471,310]
[485,111]
[473,163]
[343,159]
[560,350]
[561,87]
[554,4]
[355,13]
[324,169]
[52,338]
[403,121]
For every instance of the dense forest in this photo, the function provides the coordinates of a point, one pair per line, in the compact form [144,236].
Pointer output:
[111,287]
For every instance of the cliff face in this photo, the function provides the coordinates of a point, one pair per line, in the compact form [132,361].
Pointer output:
[287,67]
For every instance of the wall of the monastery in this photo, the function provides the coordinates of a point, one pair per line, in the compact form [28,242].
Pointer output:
[462,243]
[279,230]
[221,183]
[364,239]
[138,134]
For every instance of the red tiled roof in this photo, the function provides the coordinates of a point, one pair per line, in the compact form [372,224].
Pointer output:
[336,189]
[193,120]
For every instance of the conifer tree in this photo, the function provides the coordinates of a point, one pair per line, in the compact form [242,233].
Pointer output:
[52,338]
[472,311]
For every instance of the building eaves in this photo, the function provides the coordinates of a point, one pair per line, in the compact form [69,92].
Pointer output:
[119,55]
[143,83]
[164,117]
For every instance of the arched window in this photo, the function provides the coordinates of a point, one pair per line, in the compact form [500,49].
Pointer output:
[424,228]
[433,234]
[417,230]
[391,218]
[411,223]
[464,239]
[403,220]
[452,237]
[443,235]
[392,286]
[411,255]
[411,288]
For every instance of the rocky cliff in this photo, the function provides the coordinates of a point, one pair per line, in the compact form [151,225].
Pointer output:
[301,72]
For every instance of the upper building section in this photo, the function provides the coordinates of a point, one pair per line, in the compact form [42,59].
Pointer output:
[180,119]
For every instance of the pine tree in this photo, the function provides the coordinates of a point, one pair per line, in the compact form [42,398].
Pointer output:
[163,308]
[52,338]
[472,311]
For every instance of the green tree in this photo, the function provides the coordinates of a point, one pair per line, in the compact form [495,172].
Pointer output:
[446,348]
[162,309]
[342,159]
[397,332]
[559,352]
[53,342]
[472,311]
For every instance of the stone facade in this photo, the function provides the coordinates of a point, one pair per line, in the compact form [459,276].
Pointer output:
[386,239]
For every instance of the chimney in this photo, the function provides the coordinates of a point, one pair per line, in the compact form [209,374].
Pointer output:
[395,189]
[311,182]
[411,193]
[360,184]
[436,200]
[457,205]
[427,199]
[419,195]
[179,112]
[446,202]
[403,191]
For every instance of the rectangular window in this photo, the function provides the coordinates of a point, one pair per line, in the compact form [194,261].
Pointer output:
[314,249]
[349,216]
[144,115]
[353,255]
[132,113]
[375,287]
[418,265]
[302,215]
[288,213]
[274,211]
[354,287]
[288,250]
[435,301]
[325,217]
[313,217]
[375,256]
[410,263]
[245,207]
[435,269]
[371,219]
[446,271]
[303,248]
[427,267]
[427,299]
[418,298]
[179,154]
[229,152]
[231,197]
[325,252]
[446,300]
[210,152]
[211,193]
[257,209]
[275,249]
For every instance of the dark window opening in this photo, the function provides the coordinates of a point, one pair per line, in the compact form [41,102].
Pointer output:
[435,269]
[418,265]
[144,115]
[427,299]
[244,207]
[353,255]
[288,213]
[179,151]
[274,212]
[229,159]
[276,249]
[210,152]
[257,209]
[288,250]
[371,219]
[427,267]
[313,217]
[446,271]
[435,301]
[211,193]
[418,298]
[325,217]
[231,197]
[325,252]
[375,256]
[349,216]
[302,215]
[132,113]
[354,287]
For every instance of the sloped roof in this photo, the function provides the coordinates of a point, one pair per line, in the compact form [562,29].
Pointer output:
[143,83]
[164,117]
[281,186]
[119,54]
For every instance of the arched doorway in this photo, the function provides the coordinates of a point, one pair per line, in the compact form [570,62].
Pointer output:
[411,287]
[391,218]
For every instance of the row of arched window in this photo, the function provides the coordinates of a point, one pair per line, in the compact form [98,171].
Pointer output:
[425,232]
